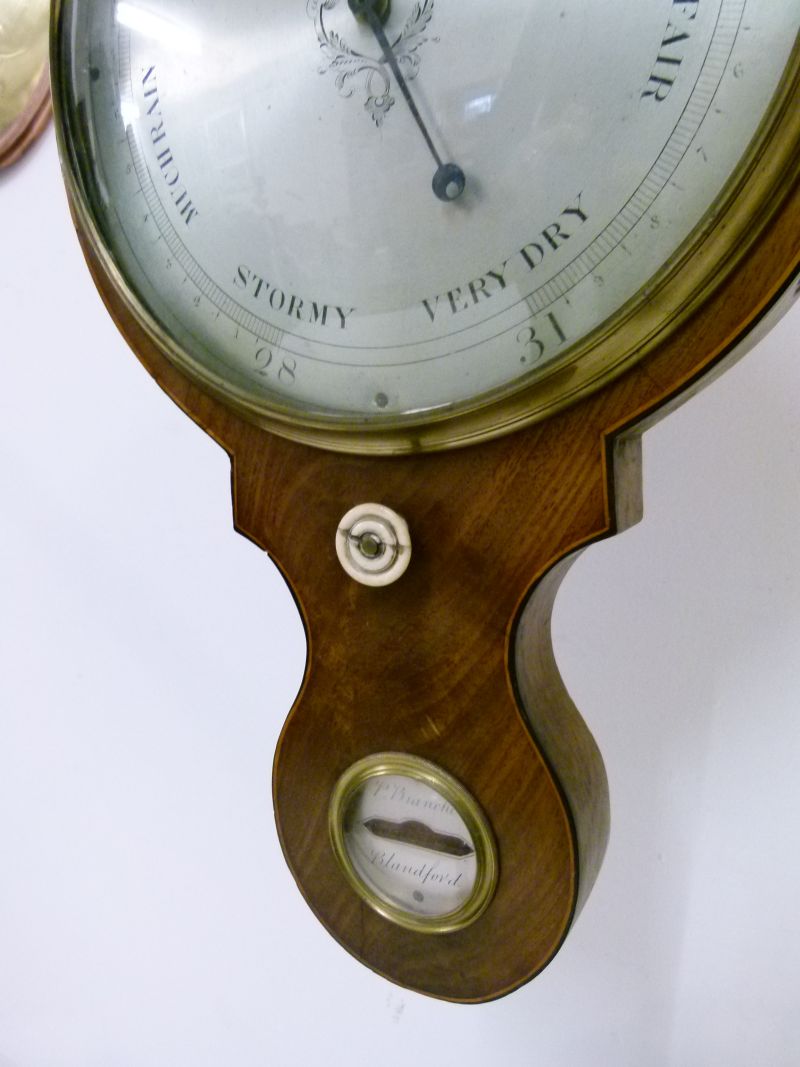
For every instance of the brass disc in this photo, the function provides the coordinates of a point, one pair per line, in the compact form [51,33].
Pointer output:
[24,78]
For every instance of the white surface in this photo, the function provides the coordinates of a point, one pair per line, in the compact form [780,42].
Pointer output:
[389,528]
[148,657]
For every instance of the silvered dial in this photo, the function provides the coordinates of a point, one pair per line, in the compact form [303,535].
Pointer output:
[413,843]
[264,192]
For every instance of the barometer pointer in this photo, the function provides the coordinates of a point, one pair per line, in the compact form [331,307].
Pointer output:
[411,832]
[448,181]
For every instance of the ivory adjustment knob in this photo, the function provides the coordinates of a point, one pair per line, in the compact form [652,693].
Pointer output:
[373,544]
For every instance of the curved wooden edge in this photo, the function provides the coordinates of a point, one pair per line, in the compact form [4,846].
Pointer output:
[555,722]
[557,726]
[560,732]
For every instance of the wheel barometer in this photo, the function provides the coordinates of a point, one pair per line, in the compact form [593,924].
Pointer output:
[425,270]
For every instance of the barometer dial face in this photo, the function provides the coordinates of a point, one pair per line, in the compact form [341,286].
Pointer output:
[261,187]
[23,70]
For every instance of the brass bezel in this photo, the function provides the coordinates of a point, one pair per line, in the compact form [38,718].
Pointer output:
[733,224]
[420,770]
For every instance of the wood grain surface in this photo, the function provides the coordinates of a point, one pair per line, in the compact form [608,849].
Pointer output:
[454,663]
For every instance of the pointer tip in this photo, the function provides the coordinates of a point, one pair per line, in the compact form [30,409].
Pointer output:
[449,182]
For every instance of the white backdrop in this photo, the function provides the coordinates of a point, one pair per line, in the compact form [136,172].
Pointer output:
[148,657]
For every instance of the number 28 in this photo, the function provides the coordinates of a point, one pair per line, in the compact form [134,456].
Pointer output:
[265,366]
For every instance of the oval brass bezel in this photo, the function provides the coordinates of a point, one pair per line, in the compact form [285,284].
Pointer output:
[749,202]
[448,787]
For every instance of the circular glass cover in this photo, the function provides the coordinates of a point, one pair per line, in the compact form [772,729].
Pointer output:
[413,842]
[383,218]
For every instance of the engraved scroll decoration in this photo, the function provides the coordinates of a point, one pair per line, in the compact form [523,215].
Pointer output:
[350,66]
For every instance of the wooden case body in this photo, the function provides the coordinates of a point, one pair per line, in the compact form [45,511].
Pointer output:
[454,662]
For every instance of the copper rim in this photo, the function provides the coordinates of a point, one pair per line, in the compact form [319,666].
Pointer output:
[27,126]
